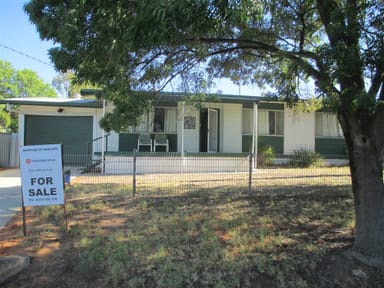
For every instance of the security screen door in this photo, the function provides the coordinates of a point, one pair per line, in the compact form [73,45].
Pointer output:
[213,123]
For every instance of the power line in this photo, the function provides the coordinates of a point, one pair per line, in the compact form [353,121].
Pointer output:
[25,55]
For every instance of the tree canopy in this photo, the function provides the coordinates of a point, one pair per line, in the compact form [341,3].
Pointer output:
[19,83]
[139,44]
[22,83]
[143,44]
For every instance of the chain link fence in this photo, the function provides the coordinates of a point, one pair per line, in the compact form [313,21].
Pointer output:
[172,174]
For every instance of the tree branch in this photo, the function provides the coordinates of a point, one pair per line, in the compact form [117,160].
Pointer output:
[376,83]
[302,33]
[258,45]
[319,74]
[381,96]
[327,10]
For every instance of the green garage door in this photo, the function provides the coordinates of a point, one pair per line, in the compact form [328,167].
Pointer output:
[74,132]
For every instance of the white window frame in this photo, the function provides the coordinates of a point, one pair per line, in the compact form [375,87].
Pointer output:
[265,130]
[147,122]
[327,125]
[247,121]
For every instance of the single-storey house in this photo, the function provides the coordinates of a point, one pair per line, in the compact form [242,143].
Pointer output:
[227,124]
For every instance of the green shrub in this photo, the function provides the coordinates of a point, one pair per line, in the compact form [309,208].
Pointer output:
[306,158]
[265,156]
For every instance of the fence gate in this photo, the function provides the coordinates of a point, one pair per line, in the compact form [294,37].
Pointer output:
[9,150]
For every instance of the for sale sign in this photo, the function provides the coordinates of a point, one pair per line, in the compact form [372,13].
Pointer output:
[41,169]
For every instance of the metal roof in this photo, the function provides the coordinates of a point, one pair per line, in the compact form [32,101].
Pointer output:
[163,98]
[62,102]
[174,97]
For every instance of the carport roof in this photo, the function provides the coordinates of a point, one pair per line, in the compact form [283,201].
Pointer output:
[62,102]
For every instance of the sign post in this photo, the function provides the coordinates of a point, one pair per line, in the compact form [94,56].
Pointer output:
[41,168]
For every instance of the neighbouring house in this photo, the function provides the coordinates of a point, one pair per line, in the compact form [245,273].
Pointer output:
[227,124]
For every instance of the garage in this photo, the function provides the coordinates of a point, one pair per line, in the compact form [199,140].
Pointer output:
[74,132]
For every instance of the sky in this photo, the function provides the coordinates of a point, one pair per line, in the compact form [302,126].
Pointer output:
[21,45]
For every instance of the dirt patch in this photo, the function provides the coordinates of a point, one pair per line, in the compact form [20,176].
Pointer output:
[46,245]
[50,257]
[343,271]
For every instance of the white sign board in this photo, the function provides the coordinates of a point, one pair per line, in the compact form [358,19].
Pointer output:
[41,169]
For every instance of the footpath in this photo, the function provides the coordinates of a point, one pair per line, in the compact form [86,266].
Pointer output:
[10,195]
[10,203]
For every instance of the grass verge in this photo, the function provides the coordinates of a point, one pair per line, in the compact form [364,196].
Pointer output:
[214,237]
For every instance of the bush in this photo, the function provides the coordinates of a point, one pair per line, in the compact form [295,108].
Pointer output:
[265,156]
[306,158]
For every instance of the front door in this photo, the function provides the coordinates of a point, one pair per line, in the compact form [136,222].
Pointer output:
[213,121]
[209,130]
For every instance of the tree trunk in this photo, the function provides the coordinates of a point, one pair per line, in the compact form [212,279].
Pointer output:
[368,191]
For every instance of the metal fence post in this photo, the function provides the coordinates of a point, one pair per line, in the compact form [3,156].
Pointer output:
[134,173]
[250,172]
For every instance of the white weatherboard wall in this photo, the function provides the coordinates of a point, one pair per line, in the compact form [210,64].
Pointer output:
[164,165]
[97,131]
[299,131]
[231,128]
[112,141]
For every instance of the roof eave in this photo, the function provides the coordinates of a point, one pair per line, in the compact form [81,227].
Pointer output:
[74,103]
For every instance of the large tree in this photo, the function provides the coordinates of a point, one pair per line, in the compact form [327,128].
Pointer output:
[338,44]
[19,83]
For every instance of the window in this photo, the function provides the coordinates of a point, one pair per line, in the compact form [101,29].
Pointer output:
[327,125]
[144,125]
[158,120]
[247,121]
[271,123]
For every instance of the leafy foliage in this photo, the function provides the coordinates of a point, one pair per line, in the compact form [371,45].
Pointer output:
[306,158]
[22,83]
[142,45]
[266,156]
[19,83]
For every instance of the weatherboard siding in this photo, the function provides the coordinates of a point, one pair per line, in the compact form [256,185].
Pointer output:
[331,146]
[299,131]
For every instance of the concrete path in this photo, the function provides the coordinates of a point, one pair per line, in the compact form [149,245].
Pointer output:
[10,195]
[10,203]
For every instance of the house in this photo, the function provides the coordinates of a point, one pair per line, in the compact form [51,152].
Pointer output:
[225,124]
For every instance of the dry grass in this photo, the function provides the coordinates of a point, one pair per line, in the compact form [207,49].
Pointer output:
[195,230]
[261,179]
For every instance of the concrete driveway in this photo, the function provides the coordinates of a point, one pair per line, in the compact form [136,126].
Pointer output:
[10,194]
